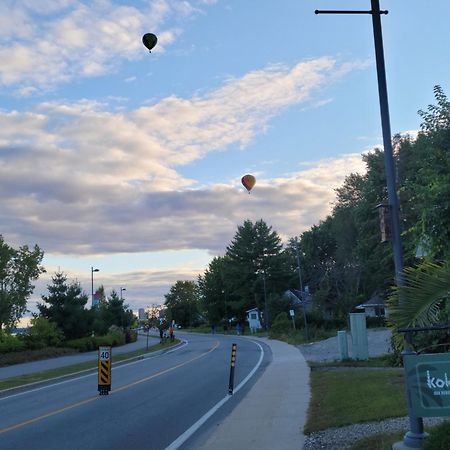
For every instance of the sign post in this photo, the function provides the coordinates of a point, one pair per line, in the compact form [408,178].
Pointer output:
[104,370]
[292,314]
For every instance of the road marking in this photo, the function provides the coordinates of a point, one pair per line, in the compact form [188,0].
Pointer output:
[91,399]
[180,440]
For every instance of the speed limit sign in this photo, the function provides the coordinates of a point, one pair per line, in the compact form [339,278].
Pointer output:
[104,353]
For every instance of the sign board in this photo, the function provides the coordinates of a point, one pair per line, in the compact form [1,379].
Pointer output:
[104,370]
[291,313]
[428,381]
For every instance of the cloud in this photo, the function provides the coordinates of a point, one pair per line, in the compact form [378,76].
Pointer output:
[73,39]
[79,179]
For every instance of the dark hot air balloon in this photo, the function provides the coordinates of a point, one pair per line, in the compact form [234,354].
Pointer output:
[248,182]
[149,40]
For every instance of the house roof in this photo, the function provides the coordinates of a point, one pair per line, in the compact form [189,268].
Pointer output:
[297,296]
[373,302]
[253,309]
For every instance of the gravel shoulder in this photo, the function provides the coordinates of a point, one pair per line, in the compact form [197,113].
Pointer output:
[379,342]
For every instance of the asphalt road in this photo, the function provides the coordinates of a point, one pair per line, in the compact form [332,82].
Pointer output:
[153,401]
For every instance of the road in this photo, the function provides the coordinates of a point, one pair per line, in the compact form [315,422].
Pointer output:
[152,402]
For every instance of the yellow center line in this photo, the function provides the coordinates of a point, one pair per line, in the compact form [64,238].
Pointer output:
[91,399]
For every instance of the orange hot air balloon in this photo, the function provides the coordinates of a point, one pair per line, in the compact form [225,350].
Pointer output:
[248,182]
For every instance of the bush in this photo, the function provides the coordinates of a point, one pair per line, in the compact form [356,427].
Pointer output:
[8,359]
[130,336]
[9,343]
[280,325]
[376,322]
[439,438]
[43,333]
[87,344]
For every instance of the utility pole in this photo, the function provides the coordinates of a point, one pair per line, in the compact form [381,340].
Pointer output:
[302,300]
[413,438]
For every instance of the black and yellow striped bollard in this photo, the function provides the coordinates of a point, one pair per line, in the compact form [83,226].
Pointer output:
[233,363]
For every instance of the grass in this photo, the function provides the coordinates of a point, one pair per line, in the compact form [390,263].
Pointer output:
[347,396]
[379,361]
[54,373]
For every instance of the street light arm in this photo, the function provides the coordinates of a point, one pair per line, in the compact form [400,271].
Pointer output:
[317,11]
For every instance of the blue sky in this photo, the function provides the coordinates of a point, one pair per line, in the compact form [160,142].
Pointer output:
[131,162]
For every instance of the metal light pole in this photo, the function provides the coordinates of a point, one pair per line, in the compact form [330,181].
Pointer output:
[301,292]
[414,438]
[92,284]
[266,307]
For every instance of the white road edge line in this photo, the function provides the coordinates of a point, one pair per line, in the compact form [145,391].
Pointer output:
[70,380]
[180,440]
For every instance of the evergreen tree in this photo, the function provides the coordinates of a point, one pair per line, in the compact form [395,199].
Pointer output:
[213,292]
[65,306]
[256,266]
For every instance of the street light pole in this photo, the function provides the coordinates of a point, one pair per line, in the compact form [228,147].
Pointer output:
[266,307]
[301,292]
[92,284]
[413,438]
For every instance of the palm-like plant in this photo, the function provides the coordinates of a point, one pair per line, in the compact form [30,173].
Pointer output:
[419,302]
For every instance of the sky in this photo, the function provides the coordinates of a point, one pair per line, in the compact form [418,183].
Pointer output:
[130,162]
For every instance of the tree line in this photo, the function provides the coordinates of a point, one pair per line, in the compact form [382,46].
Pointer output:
[342,259]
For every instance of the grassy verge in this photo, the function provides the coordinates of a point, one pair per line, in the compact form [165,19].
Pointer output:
[54,373]
[379,361]
[343,397]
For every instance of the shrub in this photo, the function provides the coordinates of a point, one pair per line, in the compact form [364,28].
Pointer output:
[114,338]
[439,437]
[10,343]
[130,336]
[376,322]
[43,333]
[85,344]
[280,325]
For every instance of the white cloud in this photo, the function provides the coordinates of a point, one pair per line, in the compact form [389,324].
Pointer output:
[61,40]
[77,178]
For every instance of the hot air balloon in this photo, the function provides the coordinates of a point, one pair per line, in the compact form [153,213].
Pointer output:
[248,182]
[149,40]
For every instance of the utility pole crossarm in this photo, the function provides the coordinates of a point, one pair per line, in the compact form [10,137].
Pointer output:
[317,11]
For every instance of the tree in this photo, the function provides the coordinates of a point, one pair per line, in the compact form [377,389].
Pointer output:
[256,266]
[213,293]
[65,306]
[116,312]
[182,303]
[425,181]
[18,268]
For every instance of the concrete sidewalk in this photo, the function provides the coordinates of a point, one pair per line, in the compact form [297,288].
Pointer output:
[272,415]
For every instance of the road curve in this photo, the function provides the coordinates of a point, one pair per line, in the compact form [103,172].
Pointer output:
[153,403]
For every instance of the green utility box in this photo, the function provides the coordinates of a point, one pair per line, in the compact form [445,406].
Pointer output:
[360,344]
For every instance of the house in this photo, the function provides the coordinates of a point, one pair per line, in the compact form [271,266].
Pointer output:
[253,319]
[302,299]
[374,307]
